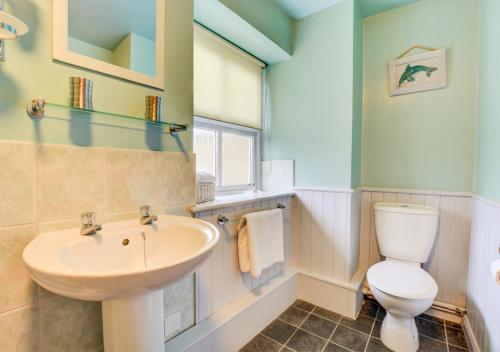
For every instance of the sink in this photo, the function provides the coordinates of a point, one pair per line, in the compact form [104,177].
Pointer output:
[125,266]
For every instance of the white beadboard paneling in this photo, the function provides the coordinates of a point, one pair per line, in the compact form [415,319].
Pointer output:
[483,293]
[219,280]
[324,244]
[341,234]
[327,231]
[355,224]
[448,260]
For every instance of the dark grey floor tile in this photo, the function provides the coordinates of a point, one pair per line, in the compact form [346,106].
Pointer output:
[381,314]
[376,329]
[369,309]
[431,318]
[454,325]
[331,347]
[303,305]
[362,323]
[261,344]
[351,339]
[376,345]
[319,326]
[456,337]
[294,316]
[431,329]
[328,314]
[279,331]
[452,348]
[302,341]
[431,345]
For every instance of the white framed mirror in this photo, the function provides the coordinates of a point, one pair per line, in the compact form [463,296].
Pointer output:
[120,38]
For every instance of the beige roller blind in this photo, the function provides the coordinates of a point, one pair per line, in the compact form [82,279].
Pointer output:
[227,81]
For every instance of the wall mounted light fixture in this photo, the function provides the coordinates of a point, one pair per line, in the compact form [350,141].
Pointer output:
[10,28]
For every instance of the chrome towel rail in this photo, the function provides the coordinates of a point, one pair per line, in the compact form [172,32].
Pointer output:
[223,220]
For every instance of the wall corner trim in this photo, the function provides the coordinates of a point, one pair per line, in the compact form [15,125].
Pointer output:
[469,333]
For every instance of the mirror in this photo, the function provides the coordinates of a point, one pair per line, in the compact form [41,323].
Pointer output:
[119,38]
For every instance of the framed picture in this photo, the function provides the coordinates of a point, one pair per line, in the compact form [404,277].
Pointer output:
[418,73]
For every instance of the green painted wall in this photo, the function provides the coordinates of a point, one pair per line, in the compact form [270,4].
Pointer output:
[311,99]
[30,71]
[357,101]
[266,17]
[423,140]
[488,129]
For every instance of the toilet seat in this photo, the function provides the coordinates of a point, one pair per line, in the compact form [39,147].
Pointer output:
[403,280]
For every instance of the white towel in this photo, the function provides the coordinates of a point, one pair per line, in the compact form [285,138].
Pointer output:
[260,241]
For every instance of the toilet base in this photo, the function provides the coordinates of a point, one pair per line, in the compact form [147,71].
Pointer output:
[399,333]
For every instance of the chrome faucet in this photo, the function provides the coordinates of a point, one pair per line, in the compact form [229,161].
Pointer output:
[88,225]
[147,215]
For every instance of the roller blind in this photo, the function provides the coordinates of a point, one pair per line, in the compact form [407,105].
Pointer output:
[227,81]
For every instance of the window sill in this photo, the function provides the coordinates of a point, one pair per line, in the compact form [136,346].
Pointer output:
[239,198]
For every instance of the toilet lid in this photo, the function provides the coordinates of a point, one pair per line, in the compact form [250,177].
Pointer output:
[404,280]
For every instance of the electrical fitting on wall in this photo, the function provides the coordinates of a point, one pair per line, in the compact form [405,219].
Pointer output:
[10,28]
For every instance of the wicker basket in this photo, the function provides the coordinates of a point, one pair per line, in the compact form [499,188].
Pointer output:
[205,192]
[205,187]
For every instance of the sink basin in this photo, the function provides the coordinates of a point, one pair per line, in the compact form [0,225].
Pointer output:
[124,265]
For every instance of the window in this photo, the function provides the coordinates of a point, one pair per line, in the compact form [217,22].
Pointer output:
[228,108]
[229,152]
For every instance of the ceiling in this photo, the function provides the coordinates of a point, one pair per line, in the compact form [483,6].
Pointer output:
[298,9]
[106,23]
[372,7]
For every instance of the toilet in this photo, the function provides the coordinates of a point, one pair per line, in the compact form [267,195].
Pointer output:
[405,235]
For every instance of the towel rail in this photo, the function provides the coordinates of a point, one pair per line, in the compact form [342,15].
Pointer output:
[223,220]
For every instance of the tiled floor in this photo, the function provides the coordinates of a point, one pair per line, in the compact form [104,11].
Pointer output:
[304,327]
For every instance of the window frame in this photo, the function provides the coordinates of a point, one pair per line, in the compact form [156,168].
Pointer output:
[255,168]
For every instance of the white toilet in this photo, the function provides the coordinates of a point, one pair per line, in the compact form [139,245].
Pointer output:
[405,235]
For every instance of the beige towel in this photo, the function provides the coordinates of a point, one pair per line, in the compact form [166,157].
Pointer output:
[260,241]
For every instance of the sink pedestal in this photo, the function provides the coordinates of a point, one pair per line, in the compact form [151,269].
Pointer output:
[134,323]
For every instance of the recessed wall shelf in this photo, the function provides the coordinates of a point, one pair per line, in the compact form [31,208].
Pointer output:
[38,108]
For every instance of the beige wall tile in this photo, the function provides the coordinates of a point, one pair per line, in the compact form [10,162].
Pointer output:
[19,330]
[71,180]
[69,325]
[16,288]
[17,183]
[131,179]
[176,179]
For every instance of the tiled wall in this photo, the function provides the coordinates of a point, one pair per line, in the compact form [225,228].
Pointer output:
[46,187]
[483,303]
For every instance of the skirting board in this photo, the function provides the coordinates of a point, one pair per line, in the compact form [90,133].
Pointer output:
[469,333]
[342,299]
[233,326]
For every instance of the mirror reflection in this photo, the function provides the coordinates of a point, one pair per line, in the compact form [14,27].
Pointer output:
[117,32]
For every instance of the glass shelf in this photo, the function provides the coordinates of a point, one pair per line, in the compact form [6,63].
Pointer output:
[60,111]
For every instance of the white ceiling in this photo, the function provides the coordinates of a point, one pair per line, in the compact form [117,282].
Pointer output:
[298,9]
[106,22]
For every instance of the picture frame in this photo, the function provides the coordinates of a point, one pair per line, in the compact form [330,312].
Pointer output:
[418,73]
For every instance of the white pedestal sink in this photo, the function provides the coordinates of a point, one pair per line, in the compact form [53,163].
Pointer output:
[125,266]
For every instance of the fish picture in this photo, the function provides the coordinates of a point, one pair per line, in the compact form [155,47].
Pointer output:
[410,72]
[418,73]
